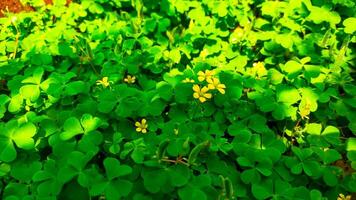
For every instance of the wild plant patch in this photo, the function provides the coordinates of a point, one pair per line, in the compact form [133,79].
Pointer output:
[171,99]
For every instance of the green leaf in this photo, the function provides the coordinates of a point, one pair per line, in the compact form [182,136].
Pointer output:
[153,180]
[288,95]
[188,193]
[31,92]
[183,92]
[349,24]
[261,191]
[331,155]
[313,128]
[351,144]
[118,188]
[319,15]
[193,156]
[180,175]
[330,178]
[315,194]
[164,90]
[275,76]
[7,150]
[175,56]
[264,166]
[311,168]
[71,128]
[250,176]
[331,134]
[114,169]
[15,103]
[244,162]
[222,9]
[23,136]
[24,169]
[89,122]
[4,169]
[76,87]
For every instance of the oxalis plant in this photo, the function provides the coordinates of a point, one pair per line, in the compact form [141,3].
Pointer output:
[207,100]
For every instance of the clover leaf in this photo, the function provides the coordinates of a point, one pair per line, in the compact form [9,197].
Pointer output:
[72,126]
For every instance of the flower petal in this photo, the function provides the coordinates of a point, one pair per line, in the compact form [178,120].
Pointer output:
[201,78]
[208,95]
[221,86]
[144,130]
[204,89]
[196,88]
[138,129]
[222,91]
[202,99]
[143,121]
[209,73]
[196,95]
[137,124]
[211,86]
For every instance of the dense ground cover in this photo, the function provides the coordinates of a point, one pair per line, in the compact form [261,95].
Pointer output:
[141,99]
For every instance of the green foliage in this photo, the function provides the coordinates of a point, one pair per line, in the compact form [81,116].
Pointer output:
[178,99]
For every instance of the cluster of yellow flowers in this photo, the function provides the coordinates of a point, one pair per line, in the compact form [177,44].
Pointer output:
[343,197]
[140,126]
[213,83]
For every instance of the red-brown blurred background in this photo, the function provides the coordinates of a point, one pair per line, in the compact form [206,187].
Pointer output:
[16,6]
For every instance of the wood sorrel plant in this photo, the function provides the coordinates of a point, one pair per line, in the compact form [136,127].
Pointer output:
[178,100]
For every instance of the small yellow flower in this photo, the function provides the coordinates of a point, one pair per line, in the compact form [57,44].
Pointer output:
[201,94]
[141,126]
[343,197]
[237,35]
[260,69]
[104,82]
[191,24]
[239,32]
[204,53]
[130,79]
[205,75]
[214,83]
[188,80]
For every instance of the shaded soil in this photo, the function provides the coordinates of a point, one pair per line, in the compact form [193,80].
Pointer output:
[15,6]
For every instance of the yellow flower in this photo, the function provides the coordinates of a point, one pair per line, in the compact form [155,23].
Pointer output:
[205,75]
[130,79]
[188,80]
[201,94]
[191,24]
[141,126]
[214,83]
[239,32]
[237,35]
[204,53]
[260,69]
[104,82]
[343,197]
